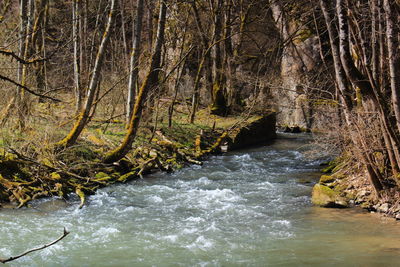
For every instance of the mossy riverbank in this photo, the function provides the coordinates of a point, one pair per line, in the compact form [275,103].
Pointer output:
[79,169]
[346,185]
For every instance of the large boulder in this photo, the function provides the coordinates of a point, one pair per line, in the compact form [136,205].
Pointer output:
[257,132]
[324,196]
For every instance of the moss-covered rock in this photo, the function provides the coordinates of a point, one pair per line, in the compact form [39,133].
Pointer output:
[326,179]
[324,196]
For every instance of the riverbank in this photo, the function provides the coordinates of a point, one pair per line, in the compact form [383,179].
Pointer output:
[345,184]
[246,207]
[26,176]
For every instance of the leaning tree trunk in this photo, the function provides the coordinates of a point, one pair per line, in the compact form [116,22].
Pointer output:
[150,82]
[84,116]
[134,61]
[392,35]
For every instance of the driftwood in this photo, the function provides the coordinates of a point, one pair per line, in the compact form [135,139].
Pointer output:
[65,233]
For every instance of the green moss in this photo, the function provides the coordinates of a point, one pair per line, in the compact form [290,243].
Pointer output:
[219,105]
[331,166]
[302,35]
[326,179]
[55,176]
[129,176]
[83,152]
[101,175]
[326,197]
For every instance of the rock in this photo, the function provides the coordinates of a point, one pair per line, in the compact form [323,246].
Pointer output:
[324,196]
[384,208]
[398,217]
[326,179]
[363,193]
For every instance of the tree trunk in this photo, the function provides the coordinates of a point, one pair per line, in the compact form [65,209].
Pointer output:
[84,116]
[76,13]
[150,82]
[392,35]
[204,64]
[338,54]
[134,61]
[38,42]
[26,28]
[219,105]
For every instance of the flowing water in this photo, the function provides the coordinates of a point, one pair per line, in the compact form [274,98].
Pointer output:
[248,208]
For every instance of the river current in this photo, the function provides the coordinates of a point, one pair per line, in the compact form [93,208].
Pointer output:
[245,208]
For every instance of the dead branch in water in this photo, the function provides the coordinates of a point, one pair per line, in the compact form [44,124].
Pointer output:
[65,233]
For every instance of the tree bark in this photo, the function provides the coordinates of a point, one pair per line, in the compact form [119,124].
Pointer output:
[134,61]
[76,13]
[392,35]
[341,80]
[150,82]
[219,105]
[84,116]
[204,64]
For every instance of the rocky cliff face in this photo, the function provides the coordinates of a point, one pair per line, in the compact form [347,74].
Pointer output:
[300,57]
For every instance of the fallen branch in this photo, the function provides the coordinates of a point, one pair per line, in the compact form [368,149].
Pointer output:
[28,90]
[27,159]
[65,233]
[19,59]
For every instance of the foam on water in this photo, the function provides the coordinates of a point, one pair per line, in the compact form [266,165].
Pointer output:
[242,209]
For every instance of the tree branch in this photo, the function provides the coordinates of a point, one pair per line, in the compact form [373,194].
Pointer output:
[27,89]
[19,59]
[65,233]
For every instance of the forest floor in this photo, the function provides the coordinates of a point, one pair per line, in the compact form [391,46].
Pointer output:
[31,169]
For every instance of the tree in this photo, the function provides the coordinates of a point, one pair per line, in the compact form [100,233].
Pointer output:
[149,84]
[219,103]
[84,115]
[392,37]
[76,25]
[134,61]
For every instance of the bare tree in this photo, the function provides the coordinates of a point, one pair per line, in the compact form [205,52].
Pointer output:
[392,36]
[134,60]
[76,14]
[84,115]
[149,84]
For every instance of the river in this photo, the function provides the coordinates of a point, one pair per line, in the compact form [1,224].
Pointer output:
[245,208]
